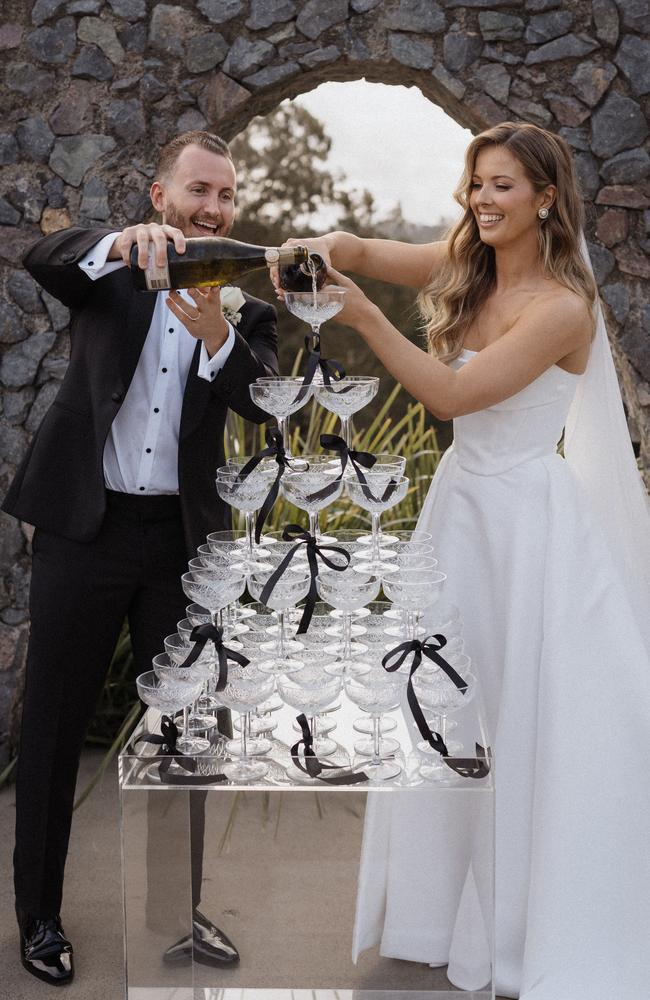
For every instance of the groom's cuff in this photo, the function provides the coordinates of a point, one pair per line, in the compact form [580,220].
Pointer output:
[209,367]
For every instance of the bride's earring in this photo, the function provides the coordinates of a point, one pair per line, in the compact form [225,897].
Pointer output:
[543,213]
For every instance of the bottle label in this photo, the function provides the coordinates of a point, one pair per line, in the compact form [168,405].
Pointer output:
[156,277]
[272,256]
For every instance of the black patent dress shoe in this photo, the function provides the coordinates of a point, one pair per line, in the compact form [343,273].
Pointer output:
[206,943]
[45,951]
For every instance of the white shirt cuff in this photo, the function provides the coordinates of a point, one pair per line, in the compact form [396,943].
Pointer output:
[95,264]
[210,366]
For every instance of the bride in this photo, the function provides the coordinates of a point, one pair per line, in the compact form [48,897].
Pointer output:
[548,559]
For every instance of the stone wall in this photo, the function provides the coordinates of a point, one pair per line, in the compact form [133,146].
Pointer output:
[91,88]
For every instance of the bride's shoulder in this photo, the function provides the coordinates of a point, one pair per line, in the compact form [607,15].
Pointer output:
[561,304]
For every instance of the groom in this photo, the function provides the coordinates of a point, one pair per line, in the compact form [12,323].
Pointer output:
[119,483]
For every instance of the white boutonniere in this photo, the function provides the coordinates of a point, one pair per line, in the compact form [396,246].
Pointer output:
[232,299]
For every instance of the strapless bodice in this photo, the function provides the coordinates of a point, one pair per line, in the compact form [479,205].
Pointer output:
[525,426]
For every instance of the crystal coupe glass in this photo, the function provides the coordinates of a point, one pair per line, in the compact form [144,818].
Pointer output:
[377,692]
[381,491]
[290,588]
[246,495]
[301,488]
[280,396]
[312,698]
[413,589]
[346,397]
[247,687]
[170,697]
[347,590]
[316,308]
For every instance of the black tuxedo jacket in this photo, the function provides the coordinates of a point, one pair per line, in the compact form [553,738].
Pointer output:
[59,487]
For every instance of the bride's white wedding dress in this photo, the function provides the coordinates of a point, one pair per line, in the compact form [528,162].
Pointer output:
[565,676]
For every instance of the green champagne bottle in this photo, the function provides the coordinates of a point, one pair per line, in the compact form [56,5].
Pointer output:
[304,277]
[209,260]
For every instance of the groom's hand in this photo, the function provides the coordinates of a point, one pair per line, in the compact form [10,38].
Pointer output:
[205,319]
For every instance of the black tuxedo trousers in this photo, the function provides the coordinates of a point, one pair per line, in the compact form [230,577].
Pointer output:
[81,594]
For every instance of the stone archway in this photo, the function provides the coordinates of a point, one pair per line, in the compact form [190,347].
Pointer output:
[92,86]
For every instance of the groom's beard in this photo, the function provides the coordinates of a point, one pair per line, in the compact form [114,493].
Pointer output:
[179,220]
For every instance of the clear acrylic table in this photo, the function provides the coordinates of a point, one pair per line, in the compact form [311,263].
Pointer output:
[304,877]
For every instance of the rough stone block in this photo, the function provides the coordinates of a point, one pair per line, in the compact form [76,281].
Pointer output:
[220,11]
[602,261]
[495,81]
[96,31]
[11,35]
[9,216]
[126,119]
[270,75]
[92,64]
[618,124]
[27,79]
[20,362]
[632,261]
[12,329]
[424,16]
[612,227]
[587,171]
[55,45]
[43,10]
[590,81]
[623,195]
[204,52]
[74,155]
[35,139]
[567,110]
[605,17]
[461,49]
[17,404]
[626,168]
[633,59]
[24,291]
[496,26]
[316,17]
[546,27]
[318,56]
[617,297]
[247,56]
[567,47]
[264,13]
[411,51]
[9,151]
[130,10]
[55,219]
[221,96]
[94,203]
[634,14]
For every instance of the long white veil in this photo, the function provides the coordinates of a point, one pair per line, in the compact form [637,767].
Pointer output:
[598,449]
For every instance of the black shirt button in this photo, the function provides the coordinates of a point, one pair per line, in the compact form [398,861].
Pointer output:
[116,397]
[163,369]
[156,409]
[91,263]
[171,329]
[142,489]
[148,451]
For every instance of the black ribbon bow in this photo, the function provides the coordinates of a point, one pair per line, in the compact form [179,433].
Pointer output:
[429,647]
[332,442]
[314,553]
[200,636]
[331,370]
[168,750]
[313,766]
[275,448]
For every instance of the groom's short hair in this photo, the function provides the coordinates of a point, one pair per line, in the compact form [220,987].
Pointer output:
[172,150]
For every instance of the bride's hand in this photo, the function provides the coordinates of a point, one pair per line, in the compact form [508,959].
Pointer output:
[357,307]
[315,244]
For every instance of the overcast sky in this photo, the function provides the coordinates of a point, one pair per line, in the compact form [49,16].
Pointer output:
[395,142]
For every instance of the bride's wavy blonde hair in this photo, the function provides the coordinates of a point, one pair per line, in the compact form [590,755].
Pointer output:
[451,302]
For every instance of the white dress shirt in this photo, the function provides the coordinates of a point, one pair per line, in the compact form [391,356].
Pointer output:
[141,450]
